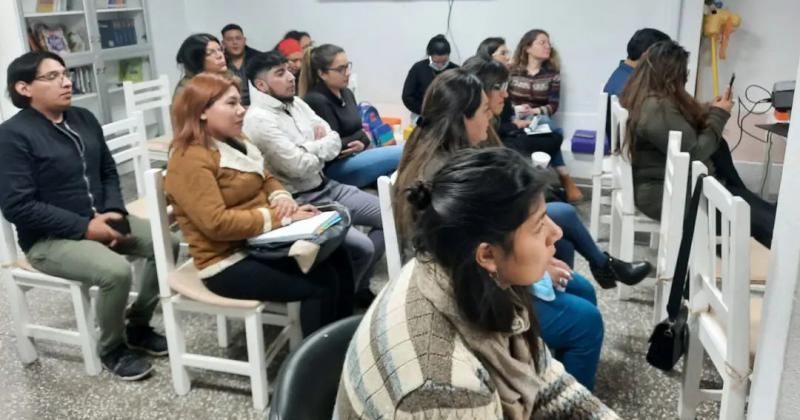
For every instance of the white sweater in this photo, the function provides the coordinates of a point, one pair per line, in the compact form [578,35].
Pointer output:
[284,132]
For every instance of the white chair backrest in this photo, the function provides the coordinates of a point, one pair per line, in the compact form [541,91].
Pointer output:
[621,168]
[127,142]
[159,227]
[149,95]
[676,177]
[600,137]
[725,293]
[9,253]
[393,255]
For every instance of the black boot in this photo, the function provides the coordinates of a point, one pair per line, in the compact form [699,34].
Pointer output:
[615,270]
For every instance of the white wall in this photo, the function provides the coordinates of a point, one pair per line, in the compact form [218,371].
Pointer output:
[169,27]
[384,38]
[11,47]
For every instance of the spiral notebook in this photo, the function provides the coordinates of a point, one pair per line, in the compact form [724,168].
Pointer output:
[302,229]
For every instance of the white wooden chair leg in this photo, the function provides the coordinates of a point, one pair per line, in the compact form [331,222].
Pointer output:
[733,399]
[654,240]
[82,306]
[660,300]
[255,356]
[176,342]
[21,315]
[594,213]
[692,369]
[614,233]
[625,252]
[223,334]
[296,336]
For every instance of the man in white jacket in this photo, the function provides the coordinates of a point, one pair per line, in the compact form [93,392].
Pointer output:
[296,144]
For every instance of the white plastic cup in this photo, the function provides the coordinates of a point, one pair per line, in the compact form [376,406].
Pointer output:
[540,159]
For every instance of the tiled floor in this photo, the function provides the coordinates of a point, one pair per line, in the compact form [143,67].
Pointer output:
[56,387]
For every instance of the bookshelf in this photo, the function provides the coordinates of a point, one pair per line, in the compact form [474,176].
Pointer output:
[103,42]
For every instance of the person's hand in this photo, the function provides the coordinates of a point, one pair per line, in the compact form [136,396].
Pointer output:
[319,132]
[536,111]
[304,212]
[560,273]
[725,101]
[350,150]
[523,110]
[356,145]
[521,124]
[284,206]
[99,231]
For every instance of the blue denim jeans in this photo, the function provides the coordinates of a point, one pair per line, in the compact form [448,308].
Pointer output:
[576,237]
[572,327]
[364,168]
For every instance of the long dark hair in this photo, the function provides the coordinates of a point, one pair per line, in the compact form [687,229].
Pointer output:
[662,74]
[491,74]
[488,47]
[458,209]
[520,60]
[315,60]
[192,53]
[453,96]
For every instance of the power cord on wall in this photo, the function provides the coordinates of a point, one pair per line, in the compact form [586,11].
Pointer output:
[449,32]
[751,110]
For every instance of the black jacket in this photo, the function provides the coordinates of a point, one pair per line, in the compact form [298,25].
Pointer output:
[241,72]
[419,78]
[342,114]
[52,182]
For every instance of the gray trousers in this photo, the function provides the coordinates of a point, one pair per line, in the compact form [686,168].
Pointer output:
[365,250]
[98,265]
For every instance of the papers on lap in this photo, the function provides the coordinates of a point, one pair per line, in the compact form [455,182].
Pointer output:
[302,229]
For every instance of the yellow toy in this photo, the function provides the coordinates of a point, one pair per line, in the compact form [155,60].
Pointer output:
[718,25]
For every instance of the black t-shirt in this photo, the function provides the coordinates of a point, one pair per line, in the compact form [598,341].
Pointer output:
[342,114]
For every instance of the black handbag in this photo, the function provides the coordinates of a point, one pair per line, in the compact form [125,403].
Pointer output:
[316,250]
[670,338]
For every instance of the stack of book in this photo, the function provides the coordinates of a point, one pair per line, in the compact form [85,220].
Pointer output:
[117,32]
[82,80]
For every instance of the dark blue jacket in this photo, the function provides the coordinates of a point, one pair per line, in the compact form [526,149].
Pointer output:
[54,178]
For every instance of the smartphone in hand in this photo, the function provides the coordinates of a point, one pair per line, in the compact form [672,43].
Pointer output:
[730,85]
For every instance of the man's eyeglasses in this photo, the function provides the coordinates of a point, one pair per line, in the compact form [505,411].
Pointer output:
[343,69]
[500,86]
[54,75]
[215,51]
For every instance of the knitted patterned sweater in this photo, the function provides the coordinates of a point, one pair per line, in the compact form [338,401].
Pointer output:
[408,361]
[542,90]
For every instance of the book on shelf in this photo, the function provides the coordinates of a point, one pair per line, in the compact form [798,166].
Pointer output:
[82,80]
[131,70]
[50,6]
[116,4]
[117,32]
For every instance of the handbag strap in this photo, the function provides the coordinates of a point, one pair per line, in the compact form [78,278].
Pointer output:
[681,276]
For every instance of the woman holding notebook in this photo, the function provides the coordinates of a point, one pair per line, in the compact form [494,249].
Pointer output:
[222,196]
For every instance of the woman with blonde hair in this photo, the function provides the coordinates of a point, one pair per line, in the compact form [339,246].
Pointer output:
[222,195]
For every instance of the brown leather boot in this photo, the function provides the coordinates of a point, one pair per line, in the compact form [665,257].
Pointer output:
[574,194]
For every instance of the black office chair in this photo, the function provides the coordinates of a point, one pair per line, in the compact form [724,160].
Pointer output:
[308,381]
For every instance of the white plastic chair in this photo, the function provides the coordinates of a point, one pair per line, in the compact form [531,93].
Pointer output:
[386,193]
[626,220]
[673,204]
[20,277]
[722,316]
[602,180]
[152,95]
[127,141]
[182,290]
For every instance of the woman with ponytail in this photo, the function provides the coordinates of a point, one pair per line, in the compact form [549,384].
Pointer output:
[324,77]
[454,335]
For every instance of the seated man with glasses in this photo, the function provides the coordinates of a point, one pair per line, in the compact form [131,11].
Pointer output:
[297,144]
[59,186]
[323,85]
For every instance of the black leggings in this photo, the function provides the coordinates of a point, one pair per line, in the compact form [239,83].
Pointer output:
[326,292]
[762,213]
[525,145]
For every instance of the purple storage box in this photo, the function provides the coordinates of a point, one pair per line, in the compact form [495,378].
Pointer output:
[583,142]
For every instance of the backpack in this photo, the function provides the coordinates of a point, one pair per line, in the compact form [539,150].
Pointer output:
[380,132]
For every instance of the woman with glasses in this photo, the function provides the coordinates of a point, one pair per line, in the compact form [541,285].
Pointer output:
[201,53]
[323,85]
[495,48]
[535,91]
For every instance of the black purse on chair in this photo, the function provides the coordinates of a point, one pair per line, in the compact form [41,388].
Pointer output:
[670,338]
